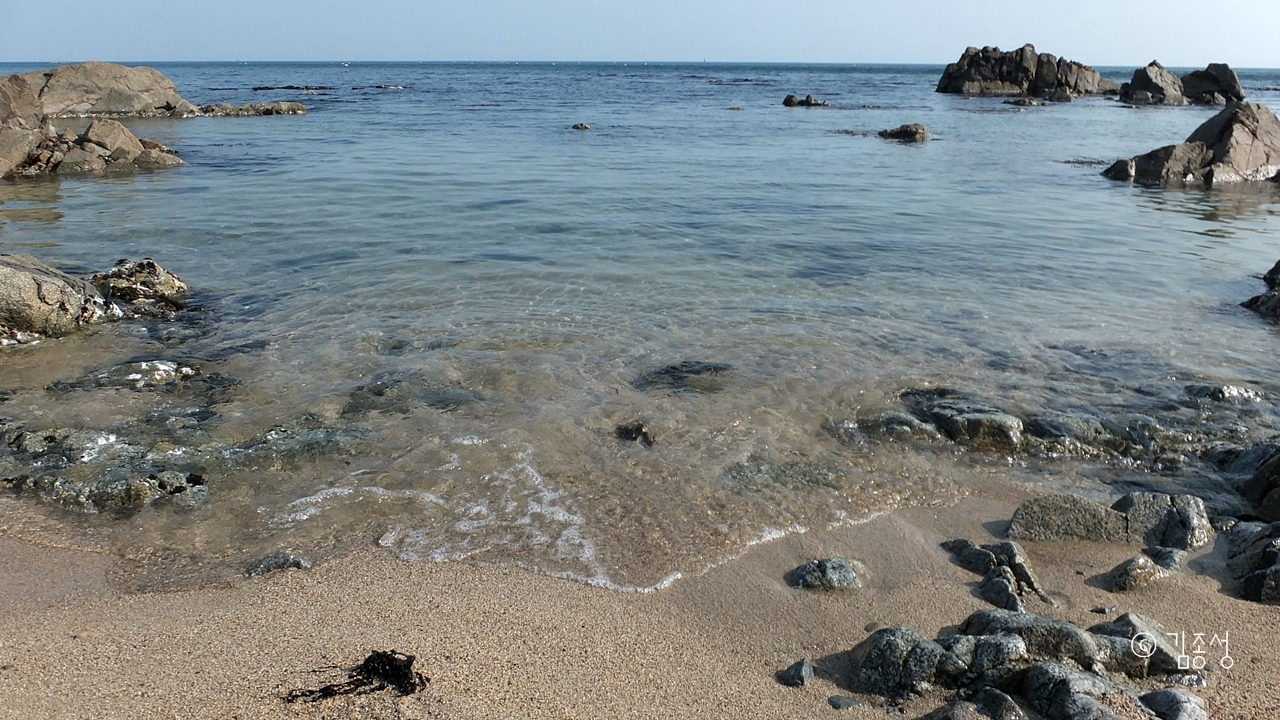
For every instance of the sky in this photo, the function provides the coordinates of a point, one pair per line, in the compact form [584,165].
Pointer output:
[1178,33]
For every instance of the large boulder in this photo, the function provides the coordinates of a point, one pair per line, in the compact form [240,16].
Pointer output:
[35,298]
[1153,85]
[1019,72]
[1239,144]
[115,137]
[16,145]
[104,89]
[19,105]
[1217,84]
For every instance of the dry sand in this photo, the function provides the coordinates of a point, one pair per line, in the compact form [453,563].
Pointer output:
[506,643]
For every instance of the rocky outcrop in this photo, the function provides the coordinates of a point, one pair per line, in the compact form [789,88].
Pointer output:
[913,133]
[105,145]
[1156,519]
[250,110]
[808,101]
[1020,72]
[1217,84]
[37,300]
[1153,85]
[97,89]
[1254,551]
[1239,144]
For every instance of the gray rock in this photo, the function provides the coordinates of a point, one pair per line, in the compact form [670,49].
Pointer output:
[1024,102]
[828,574]
[1175,704]
[1255,560]
[965,421]
[1239,144]
[1134,573]
[808,101]
[896,662]
[1065,517]
[143,287]
[993,651]
[36,298]
[17,143]
[1224,393]
[252,110]
[116,493]
[140,375]
[114,138]
[1060,693]
[151,159]
[1263,488]
[1166,558]
[1215,85]
[1145,635]
[686,376]
[103,89]
[1153,85]
[278,560]
[798,675]
[1000,588]
[913,133]
[891,425]
[19,104]
[844,702]
[80,161]
[1020,72]
[1045,638]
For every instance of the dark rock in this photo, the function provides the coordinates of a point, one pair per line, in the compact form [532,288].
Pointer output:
[687,376]
[1174,704]
[1179,522]
[1065,517]
[891,425]
[971,557]
[1020,72]
[897,662]
[965,421]
[798,675]
[761,475]
[115,493]
[1103,609]
[1153,85]
[843,702]
[634,432]
[1060,95]
[1000,588]
[913,133]
[1045,638]
[1263,489]
[1024,102]
[1166,558]
[1224,393]
[1217,84]
[251,110]
[1239,144]
[828,574]
[808,101]
[1060,693]
[1254,553]
[401,393]
[581,126]
[279,560]
[36,298]
[1134,573]
[140,375]
[148,289]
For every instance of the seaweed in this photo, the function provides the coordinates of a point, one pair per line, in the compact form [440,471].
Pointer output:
[383,669]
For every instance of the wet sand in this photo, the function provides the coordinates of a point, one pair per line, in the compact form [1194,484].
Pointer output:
[503,642]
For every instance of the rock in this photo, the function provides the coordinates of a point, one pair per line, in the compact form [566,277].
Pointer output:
[965,421]
[278,560]
[1147,639]
[147,288]
[971,557]
[634,432]
[996,650]
[114,138]
[808,101]
[1217,84]
[798,675]
[151,159]
[1060,693]
[250,110]
[844,702]
[1153,85]
[581,126]
[687,376]
[1020,72]
[79,161]
[36,298]
[19,104]
[1224,393]
[1255,561]
[913,133]
[1239,144]
[1065,517]
[1060,95]
[1045,638]
[1174,704]
[896,662]
[402,393]
[1166,558]
[1024,102]
[1263,489]
[1134,573]
[141,375]
[828,574]
[890,425]
[104,89]
[1157,519]
[116,493]
[1000,588]
[16,145]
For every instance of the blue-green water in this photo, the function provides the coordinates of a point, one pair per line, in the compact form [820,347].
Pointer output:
[454,228]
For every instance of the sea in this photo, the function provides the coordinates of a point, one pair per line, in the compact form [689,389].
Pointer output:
[430,316]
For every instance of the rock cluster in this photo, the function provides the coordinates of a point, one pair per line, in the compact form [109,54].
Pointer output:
[808,101]
[1239,144]
[105,145]
[1020,72]
[1007,575]
[1268,303]
[913,133]
[1008,663]
[1217,84]
[250,109]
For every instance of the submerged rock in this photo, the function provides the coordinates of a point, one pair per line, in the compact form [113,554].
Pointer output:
[147,288]
[279,560]
[107,494]
[106,146]
[1239,144]
[634,432]
[965,421]
[808,101]
[687,376]
[1021,72]
[402,393]
[828,574]
[913,133]
[141,375]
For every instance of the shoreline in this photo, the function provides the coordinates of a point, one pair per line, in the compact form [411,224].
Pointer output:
[505,642]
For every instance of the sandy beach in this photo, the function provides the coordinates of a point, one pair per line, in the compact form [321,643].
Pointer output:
[504,642]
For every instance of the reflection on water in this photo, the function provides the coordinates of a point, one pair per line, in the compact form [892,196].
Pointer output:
[421,321]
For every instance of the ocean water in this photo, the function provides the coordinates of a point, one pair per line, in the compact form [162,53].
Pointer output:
[455,299]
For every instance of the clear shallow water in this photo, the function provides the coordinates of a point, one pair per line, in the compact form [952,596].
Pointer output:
[457,232]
